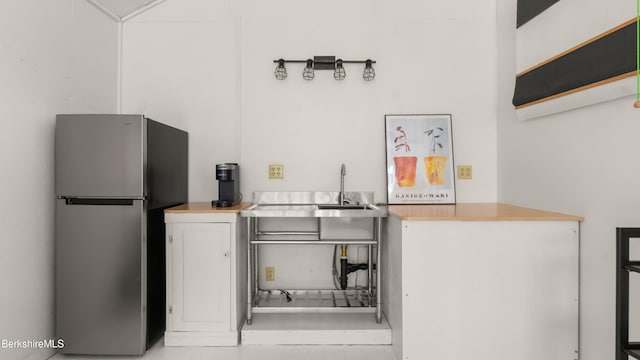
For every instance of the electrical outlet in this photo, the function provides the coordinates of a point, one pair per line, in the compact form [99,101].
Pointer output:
[465,172]
[276,171]
[270,273]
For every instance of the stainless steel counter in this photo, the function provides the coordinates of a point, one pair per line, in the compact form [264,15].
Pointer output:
[326,207]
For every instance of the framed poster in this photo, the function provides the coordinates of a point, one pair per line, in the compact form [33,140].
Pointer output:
[419,159]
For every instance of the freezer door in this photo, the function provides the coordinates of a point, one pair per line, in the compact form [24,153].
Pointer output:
[101,277]
[100,155]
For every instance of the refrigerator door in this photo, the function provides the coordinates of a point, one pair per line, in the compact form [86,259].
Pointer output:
[100,155]
[101,276]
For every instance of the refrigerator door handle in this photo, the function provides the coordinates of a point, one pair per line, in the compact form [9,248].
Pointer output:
[99,201]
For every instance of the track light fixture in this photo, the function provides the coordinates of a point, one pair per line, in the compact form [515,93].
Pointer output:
[325,63]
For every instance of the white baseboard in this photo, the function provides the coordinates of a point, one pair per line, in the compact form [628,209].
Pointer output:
[316,329]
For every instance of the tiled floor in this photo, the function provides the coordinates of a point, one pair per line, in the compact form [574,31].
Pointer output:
[258,352]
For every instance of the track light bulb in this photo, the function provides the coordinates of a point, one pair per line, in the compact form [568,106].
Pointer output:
[281,71]
[339,73]
[308,73]
[369,74]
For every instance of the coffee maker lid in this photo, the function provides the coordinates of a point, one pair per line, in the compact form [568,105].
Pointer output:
[227,166]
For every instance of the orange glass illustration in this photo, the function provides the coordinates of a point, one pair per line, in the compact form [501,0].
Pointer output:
[435,166]
[405,170]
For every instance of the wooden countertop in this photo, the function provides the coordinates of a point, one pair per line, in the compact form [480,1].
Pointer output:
[457,212]
[476,212]
[205,207]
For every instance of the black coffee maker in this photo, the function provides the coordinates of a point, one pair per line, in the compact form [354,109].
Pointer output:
[228,176]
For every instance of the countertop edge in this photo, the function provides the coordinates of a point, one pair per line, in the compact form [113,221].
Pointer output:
[476,212]
[204,208]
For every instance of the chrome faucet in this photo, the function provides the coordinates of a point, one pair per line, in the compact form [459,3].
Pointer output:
[343,172]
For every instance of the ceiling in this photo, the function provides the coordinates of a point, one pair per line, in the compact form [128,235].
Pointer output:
[122,8]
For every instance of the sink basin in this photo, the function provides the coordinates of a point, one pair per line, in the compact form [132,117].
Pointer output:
[344,207]
[347,210]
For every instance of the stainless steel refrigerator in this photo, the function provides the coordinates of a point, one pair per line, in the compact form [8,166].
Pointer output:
[114,176]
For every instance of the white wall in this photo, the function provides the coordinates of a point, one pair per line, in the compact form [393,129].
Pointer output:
[185,74]
[582,162]
[55,57]
[206,66]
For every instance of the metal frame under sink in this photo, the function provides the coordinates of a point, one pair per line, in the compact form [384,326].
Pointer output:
[320,205]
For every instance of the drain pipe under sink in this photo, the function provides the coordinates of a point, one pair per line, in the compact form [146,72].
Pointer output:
[343,268]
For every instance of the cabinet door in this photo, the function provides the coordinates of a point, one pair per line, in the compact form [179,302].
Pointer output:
[200,270]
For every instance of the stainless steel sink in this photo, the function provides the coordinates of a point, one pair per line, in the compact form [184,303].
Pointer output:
[348,210]
[312,210]
[344,207]
[312,204]
[275,210]
[314,219]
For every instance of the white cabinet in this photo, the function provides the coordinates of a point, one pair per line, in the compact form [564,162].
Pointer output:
[484,286]
[203,261]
